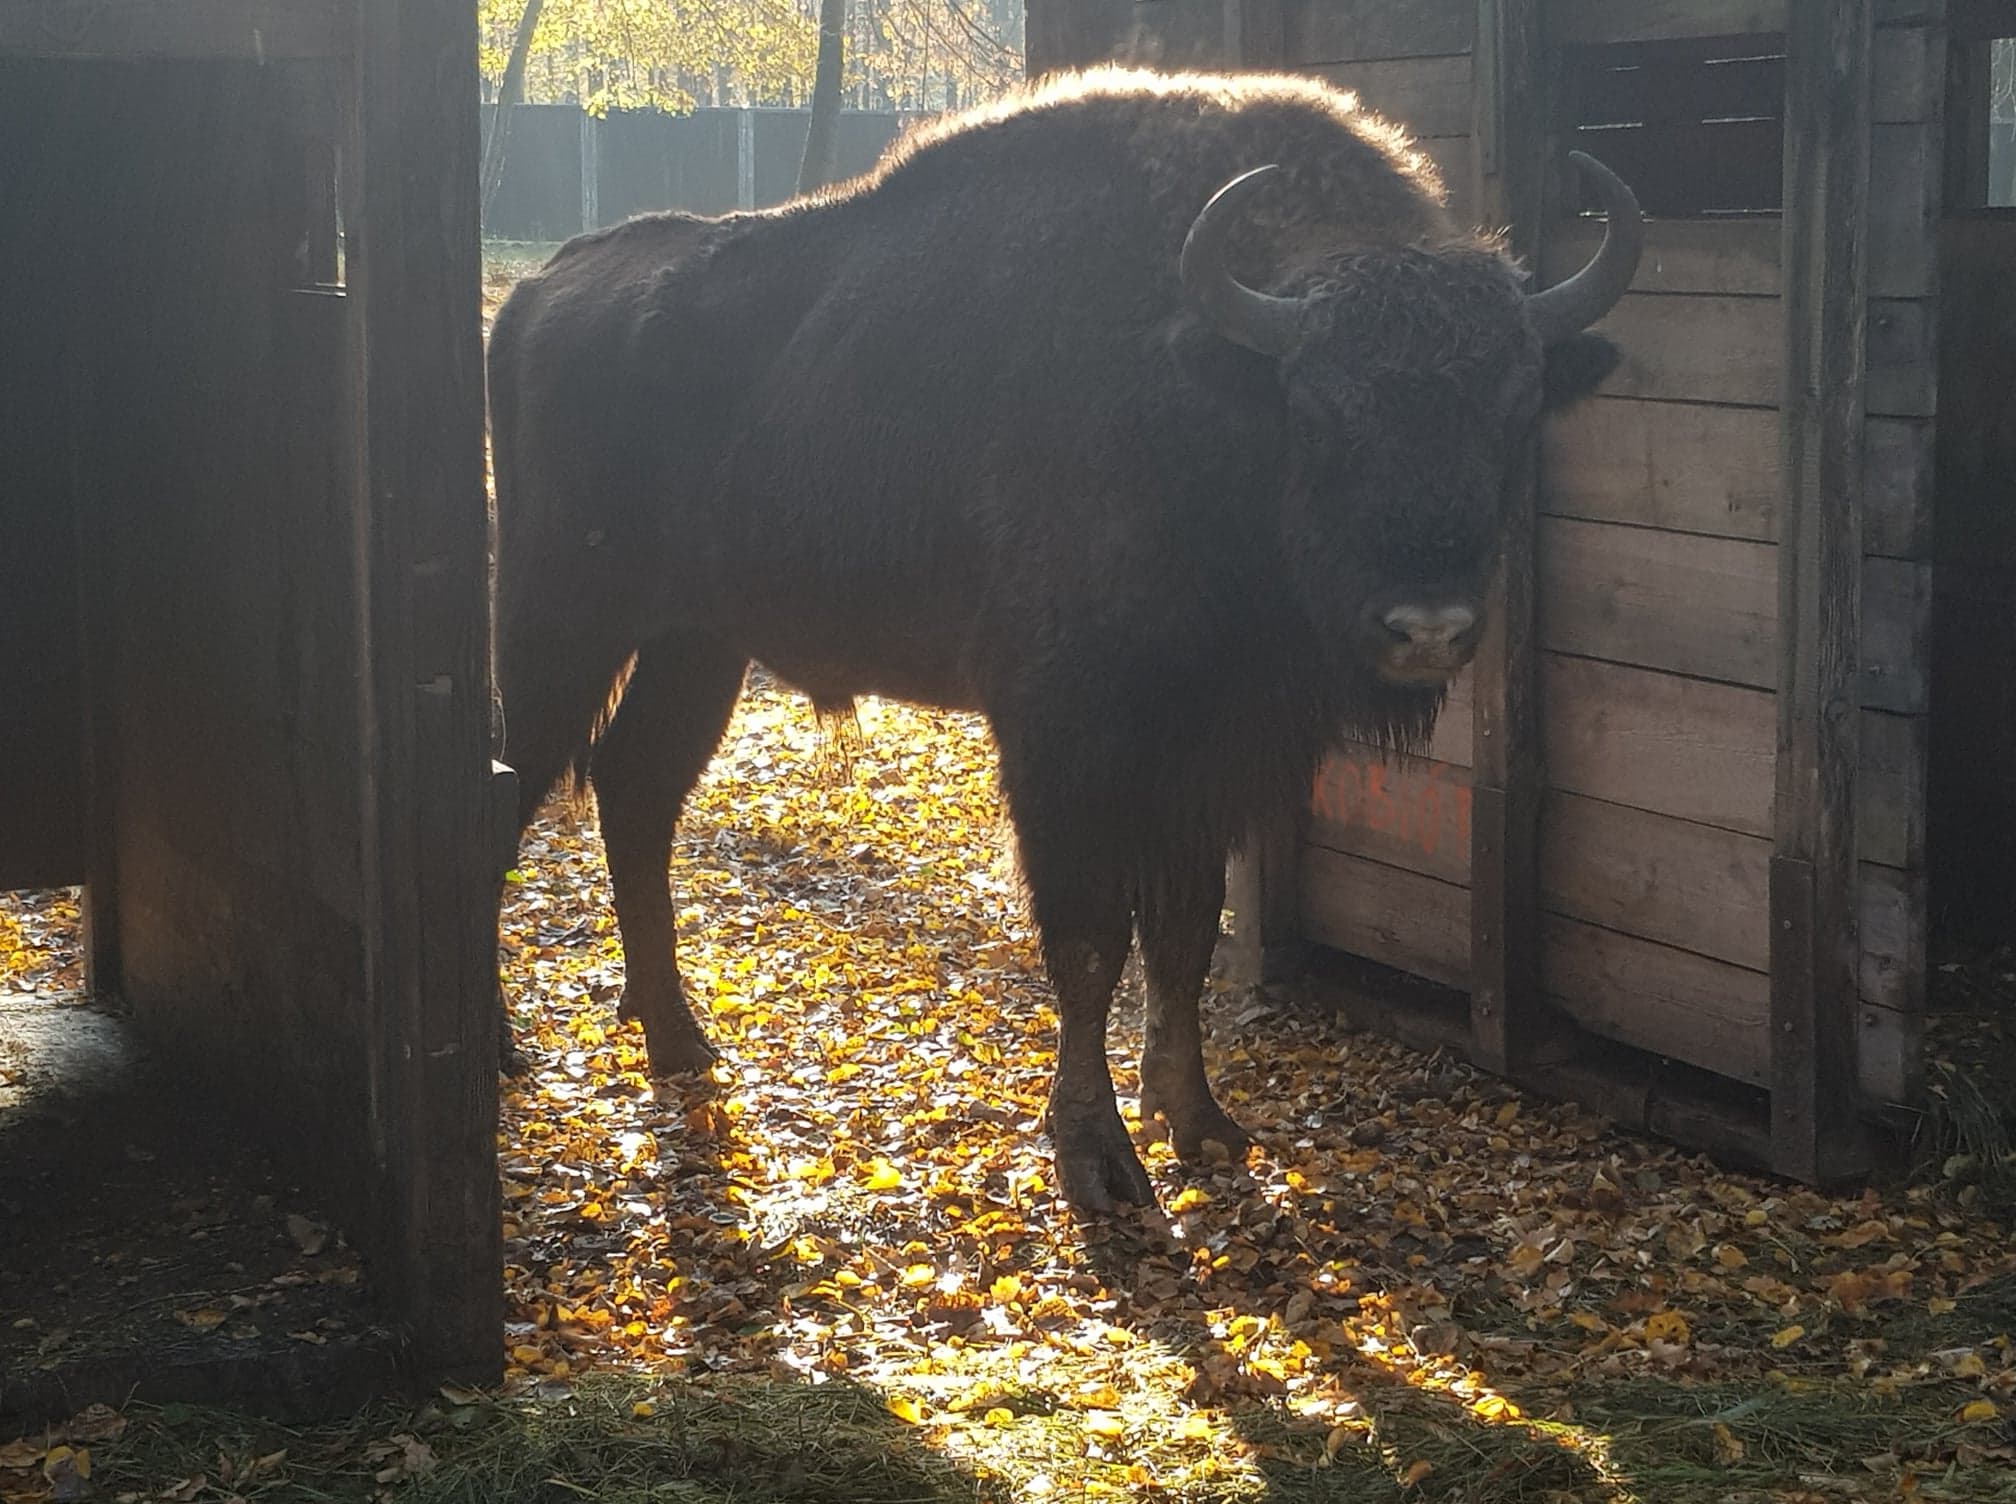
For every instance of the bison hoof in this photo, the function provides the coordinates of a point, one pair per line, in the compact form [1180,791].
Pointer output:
[1198,1129]
[677,1051]
[511,1060]
[1096,1163]
[672,1037]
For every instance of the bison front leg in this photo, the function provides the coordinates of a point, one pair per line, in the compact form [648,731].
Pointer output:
[1078,889]
[1179,932]
[672,715]
[1085,951]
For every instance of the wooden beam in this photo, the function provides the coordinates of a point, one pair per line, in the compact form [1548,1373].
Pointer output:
[431,932]
[1813,897]
[135,30]
[1506,1003]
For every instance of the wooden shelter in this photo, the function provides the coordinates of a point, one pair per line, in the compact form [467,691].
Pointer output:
[244,685]
[1741,738]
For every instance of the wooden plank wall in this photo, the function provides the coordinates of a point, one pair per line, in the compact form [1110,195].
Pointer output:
[1386,861]
[1660,604]
[42,814]
[1658,571]
[1410,63]
[1971,800]
[226,894]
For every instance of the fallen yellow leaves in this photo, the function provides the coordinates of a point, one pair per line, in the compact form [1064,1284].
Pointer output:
[1667,1326]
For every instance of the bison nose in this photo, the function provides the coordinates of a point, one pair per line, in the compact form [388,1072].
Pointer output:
[1430,626]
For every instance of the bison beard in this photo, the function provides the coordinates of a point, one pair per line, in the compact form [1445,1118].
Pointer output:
[1172,493]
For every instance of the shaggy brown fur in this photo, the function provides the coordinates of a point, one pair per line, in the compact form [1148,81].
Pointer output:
[953,433]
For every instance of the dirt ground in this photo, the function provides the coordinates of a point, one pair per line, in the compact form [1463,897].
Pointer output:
[146,1248]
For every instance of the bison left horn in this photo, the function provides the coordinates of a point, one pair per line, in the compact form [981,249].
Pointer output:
[1570,307]
[1257,320]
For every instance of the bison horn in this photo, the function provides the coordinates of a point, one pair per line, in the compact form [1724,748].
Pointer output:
[1572,306]
[1257,320]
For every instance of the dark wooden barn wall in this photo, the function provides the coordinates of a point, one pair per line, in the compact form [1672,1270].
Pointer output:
[1971,806]
[278,487]
[1972,813]
[42,817]
[218,571]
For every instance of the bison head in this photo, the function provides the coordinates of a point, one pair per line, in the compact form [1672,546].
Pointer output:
[1409,378]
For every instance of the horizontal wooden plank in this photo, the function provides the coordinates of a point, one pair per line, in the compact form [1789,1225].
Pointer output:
[1705,890]
[1685,885]
[1673,601]
[1399,919]
[1659,742]
[1890,1056]
[1907,76]
[1715,167]
[1698,469]
[1342,31]
[1706,349]
[1709,607]
[1904,198]
[1658,88]
[138,30]
[1898,458]
[1707,752]
[1412,814]
[1585,22]
[1737,255]
[1892,921]
[1681,466]
[1655,997]
[1903,358]
[1428,95]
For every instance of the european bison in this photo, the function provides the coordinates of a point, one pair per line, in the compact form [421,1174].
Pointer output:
[1165,420]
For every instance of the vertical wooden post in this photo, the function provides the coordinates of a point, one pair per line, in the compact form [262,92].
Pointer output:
[591,172]
[1261,884]
[97,594]
[745,159]
[1505,995]
[430,934]
[1814,944]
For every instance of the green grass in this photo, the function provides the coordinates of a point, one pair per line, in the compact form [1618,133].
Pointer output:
[628,1441]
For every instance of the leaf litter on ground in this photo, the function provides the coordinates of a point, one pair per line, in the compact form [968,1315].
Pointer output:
[1420,1278]
[841,1269]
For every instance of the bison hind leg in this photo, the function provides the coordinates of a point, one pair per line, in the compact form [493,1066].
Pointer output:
[1179,931]
[664,732]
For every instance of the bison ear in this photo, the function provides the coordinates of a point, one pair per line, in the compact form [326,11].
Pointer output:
[1574,369]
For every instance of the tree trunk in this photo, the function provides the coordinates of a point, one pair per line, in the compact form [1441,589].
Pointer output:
[822,136]
[510,91]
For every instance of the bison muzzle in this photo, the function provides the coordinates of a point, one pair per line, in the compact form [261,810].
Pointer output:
[1168,421]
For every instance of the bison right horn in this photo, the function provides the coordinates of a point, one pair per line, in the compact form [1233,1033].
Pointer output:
[1257,320]
[1568,308]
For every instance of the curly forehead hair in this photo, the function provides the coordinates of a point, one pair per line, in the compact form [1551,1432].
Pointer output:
[1453,310]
